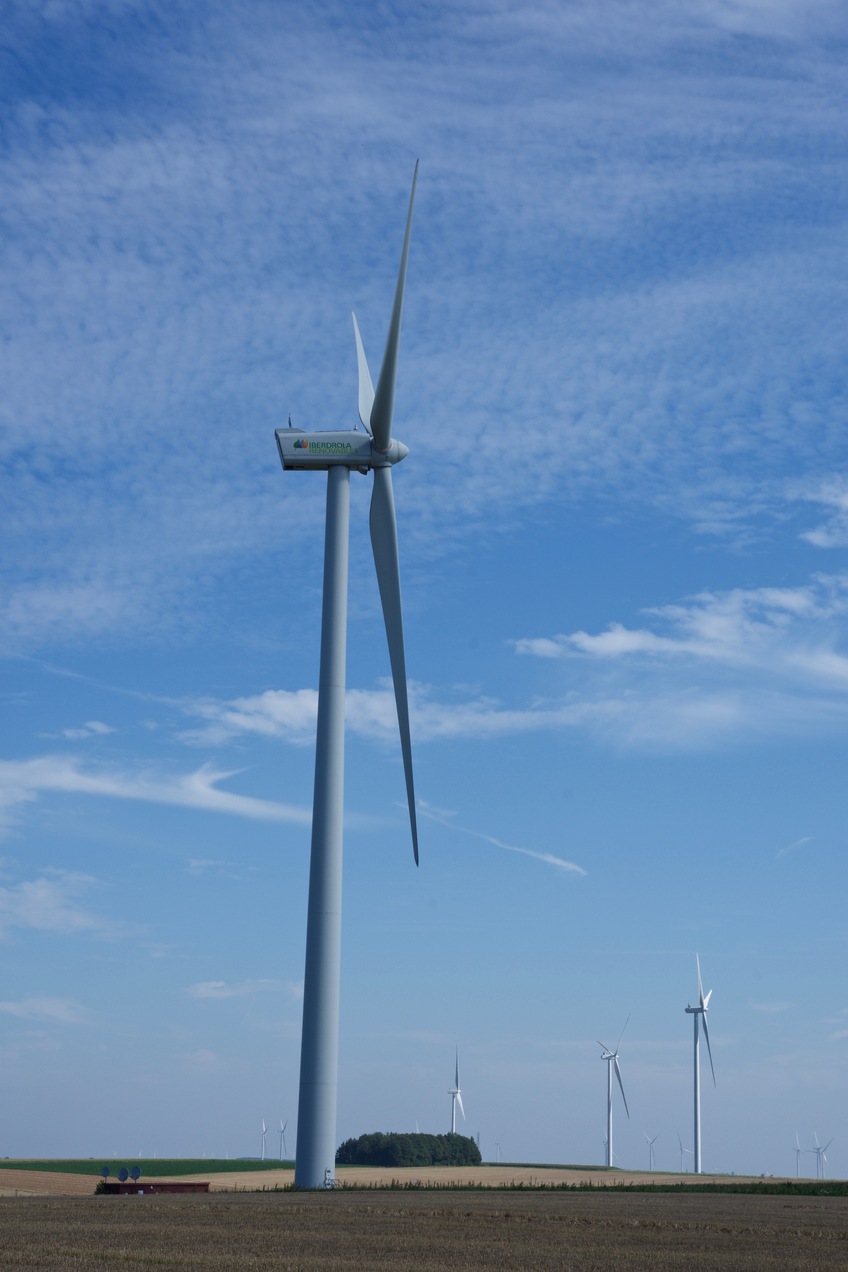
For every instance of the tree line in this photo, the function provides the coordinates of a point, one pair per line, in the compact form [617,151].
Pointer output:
[395,1149]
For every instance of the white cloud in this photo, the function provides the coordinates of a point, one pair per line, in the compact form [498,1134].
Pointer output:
[372,713]
[50,903]
[787,629]
[833,532]
[243,989]
[91,729]
[720,665]
[550,859]
[798,843]
[62,1011]
[23,780]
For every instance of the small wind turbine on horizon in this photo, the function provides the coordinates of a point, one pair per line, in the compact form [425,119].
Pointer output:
[456,1097]
[264,1132]
[283,1149]
[611,1058]
[820,1151]
[682,1152]
[797,1156]
[651,1143]
[699,1013]
[340,453]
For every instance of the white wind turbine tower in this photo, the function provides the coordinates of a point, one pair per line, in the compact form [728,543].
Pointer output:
[699,1013]
[611,1058]
[339,453]
[283,1126]
[264,1132]
[456,1097]
[820,1151]
[651,1143]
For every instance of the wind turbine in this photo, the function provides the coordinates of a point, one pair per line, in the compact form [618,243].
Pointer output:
[682,1151]
[699,1013]
[264,1132]
[797,1156]
[820,1151]
[456,1097]
[611,1058]
[283,1149]
[338,453]
[651,1143]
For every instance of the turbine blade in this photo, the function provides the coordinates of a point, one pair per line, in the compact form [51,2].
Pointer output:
[384,397]
[700,986]
[621,1085]
[709,1048]
[456,1075]
[459,1102]
[385,548]
[366,388]
[621,1035]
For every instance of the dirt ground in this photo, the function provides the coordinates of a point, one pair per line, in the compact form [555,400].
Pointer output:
[31,1183]
[420,1230]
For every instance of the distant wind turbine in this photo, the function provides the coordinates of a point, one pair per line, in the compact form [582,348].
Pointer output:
[264,1132]
[820,1151]
[651,1143]
[340,453]
[456,1097]
[797,1156]
[682,1151]
[283,1149]
[611,1058]
[699,1013]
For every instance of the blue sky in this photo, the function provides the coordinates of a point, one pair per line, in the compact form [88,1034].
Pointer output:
[623,523]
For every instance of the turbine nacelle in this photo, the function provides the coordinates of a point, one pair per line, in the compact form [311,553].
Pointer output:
[322,450]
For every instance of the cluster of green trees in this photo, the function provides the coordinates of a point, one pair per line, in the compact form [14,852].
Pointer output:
[393,1149]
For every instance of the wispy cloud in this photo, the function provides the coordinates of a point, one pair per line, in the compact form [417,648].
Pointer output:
[775,629]
[833,531]
[642,295]
[91,729]
[51,903]
[714,666]
[445,818]
[61,1011]
[23,780]
[793,847]
[243,989]
[720,664]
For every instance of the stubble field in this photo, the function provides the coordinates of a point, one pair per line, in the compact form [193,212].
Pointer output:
[425,1230]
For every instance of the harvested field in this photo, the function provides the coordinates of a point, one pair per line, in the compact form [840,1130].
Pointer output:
[54,1183]
[423,1231]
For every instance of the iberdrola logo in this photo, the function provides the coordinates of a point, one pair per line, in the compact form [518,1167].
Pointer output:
[302,444]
